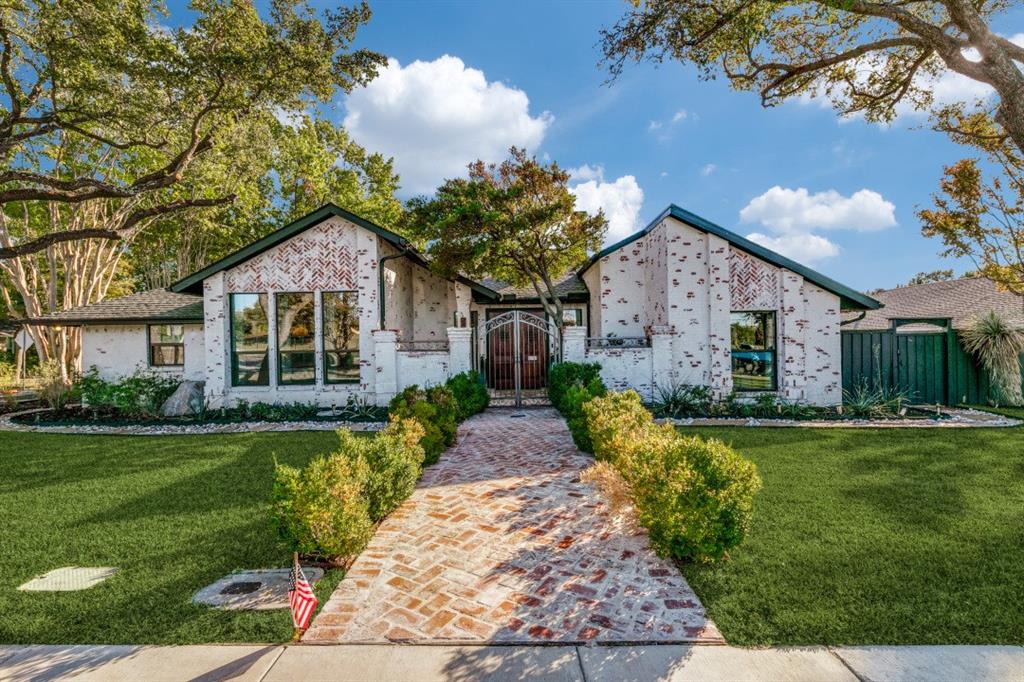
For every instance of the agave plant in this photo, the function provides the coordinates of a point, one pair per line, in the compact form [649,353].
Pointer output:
[998,347]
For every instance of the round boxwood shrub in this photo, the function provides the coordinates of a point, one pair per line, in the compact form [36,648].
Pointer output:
[435,410]
[470,393]
[563,375]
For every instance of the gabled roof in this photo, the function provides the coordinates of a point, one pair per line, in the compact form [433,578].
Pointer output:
[570,288]
[158,306]
[958,300]
[850,299]
[194,283]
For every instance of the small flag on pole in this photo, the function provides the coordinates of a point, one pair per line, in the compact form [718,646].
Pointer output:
[301,599]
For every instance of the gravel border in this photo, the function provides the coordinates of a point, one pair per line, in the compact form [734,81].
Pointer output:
[954,418]
[6,424]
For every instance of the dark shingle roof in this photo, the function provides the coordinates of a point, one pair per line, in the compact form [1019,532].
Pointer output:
[958,299]
[571,287]
[158,305]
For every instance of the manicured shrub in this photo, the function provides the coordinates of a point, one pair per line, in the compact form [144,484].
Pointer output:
[436,412]
[470,393]
[562,375]
[616,423]
[393,458]
[138,395]
[573,401]
[695,497]
[322,510]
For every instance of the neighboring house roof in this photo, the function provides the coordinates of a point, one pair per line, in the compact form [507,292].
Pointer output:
[959,300]
[194,283]
[9,327]
[850,299]
[155,306]
[570,288]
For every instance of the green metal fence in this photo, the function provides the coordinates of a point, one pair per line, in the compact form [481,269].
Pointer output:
[933,367]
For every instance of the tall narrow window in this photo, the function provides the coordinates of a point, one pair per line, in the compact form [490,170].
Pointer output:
[753,351]
[296,355]
[249,366]
[341,337]
[166,345]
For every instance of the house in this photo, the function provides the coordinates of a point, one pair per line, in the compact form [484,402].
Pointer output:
[912,345]
[332,306]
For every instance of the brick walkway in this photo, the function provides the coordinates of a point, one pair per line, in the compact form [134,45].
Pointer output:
[502,542]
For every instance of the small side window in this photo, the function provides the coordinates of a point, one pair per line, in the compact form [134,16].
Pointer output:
[166,345]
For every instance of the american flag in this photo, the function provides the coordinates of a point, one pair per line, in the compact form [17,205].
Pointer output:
[300,597]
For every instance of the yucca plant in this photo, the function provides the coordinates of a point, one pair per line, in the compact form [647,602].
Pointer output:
[998,347]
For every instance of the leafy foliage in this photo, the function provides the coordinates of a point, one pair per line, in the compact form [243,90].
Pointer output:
[563,375]
[574,402]
[998,345]
[329,508]
[694,496]
[435,410]
[680,401]
[54,389]
[870,401]
[516,221]
[321,510]
[140,394]
[470,393]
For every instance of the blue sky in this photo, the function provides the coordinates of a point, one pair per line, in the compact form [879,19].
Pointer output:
[527,73]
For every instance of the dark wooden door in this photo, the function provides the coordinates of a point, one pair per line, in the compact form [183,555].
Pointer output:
[501,362]
[533,343]
[533,347]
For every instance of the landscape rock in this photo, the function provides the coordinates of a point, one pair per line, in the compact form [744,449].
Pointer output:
[187,399]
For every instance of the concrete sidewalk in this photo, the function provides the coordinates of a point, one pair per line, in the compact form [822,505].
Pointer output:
[506,663]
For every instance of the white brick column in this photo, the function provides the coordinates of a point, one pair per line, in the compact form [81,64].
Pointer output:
[574,344]
[719,302]
[459,352]
[661,356]
[216,339]
[385,357]
[791,357]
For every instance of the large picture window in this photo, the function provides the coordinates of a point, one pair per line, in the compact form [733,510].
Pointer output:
[249,329]
[166,345]
[296,354]
[341,337]
[753,351]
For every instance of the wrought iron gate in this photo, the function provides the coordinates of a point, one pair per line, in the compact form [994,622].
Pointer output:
[517,349]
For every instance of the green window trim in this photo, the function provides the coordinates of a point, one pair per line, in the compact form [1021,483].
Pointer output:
[345,358]
[295,361]
[758,361]
[261,357]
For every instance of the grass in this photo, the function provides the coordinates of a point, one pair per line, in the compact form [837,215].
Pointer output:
[173,513]
[885,536]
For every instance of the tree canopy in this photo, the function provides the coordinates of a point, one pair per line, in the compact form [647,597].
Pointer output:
[866,57]
[100,102]
[515,221]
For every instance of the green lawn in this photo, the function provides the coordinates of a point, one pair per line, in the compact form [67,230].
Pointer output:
[173,513]
[888,536]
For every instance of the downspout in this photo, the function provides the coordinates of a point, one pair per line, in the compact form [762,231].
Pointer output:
[380,280]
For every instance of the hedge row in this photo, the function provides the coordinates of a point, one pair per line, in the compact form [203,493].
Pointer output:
[694,496]
[329,508]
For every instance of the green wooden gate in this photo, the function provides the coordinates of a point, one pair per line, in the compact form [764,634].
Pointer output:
[932,367]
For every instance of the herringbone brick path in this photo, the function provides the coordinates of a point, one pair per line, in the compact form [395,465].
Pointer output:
[502,542]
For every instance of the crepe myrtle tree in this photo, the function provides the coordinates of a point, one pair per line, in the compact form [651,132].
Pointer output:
[84,85]
[515,221]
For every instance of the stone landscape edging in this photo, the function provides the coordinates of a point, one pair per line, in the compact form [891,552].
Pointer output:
[7,424]
[954,418]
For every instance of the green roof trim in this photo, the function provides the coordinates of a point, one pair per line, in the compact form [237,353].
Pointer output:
[850,299]
[194,283]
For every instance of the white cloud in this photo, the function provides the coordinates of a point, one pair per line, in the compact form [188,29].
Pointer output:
[708,169]
[790,211]
[679,115]
[803,248]
[621,200]
[436,117]
[654,125]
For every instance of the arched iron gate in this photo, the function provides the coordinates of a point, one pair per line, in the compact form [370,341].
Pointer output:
[518,347]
